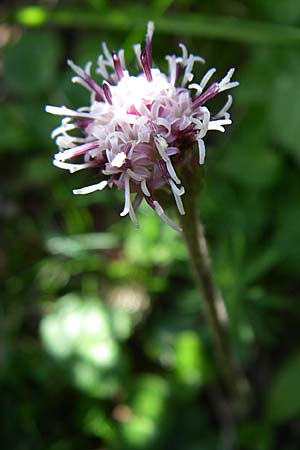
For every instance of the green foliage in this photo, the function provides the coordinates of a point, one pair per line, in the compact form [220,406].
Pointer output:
[30,64]
[283,402]
[86,333]
[103,342]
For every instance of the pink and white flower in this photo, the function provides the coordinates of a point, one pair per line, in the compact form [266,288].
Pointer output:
[136,126]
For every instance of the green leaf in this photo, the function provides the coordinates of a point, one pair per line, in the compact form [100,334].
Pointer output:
[14,136]
[249,160]
[213,26]
[286,98]
[191,365]
[149,406]
[255,436]
[73,245]
[30,64]
[283,11]
[283,400]
[288,233]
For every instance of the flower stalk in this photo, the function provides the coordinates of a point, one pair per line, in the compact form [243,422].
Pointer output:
[142,133]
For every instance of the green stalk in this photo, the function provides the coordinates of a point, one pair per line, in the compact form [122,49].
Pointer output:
[202,25]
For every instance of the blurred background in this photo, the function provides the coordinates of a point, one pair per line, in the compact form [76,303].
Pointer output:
[103,344]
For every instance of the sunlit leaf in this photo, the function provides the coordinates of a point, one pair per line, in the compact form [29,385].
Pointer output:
[191,365]
[75,244]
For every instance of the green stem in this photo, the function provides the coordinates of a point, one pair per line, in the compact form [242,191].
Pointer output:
[214,306]
[195,24]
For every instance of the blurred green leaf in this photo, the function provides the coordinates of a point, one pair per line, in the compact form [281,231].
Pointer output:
[32,16]
[248,159]
[283,11]
[14,136]
[153,243]
[84,333]
[148,405]
[218,27]
[73,245]
[288,234]
[53,274]
[263,262]
[85,327]
[256,436]
[191,365]
[283,401]
[287,98]
[30,65]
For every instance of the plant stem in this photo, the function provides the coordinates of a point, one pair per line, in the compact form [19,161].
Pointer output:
[214,306]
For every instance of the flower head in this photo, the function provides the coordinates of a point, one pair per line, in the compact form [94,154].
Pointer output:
[137,126]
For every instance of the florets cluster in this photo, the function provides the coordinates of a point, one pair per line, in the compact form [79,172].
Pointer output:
[135,125]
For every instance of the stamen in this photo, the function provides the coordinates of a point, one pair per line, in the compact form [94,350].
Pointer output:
[71,167]
[177,195]
[205,122]
[102,67]
[150,31]
[207,77]
[164,123]
[172,68]
[207,95]
[137,201]
[162,146]
[179,69]
[184,54]
[163,169]
[226,80]
[133,217]
[121,56]
[189,64]
[119,160]
[65,141]
[144,188]
[224,111]
[64,111]
[107,54]
[138,51]
[76,151]
[201,148]
[164,217]
[84,123]
[217,125]
[62,129]
[89,189]
[146,66]
[107,92]
[86,78]
[127,204]
[150,201]
[118,66]
[134,175]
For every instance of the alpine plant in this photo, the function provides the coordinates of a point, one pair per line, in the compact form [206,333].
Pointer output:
[137,127]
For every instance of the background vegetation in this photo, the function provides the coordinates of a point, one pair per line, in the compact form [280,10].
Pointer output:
[103,344]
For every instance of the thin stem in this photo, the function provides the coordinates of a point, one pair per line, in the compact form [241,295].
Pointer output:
[214,306]
[212,26]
